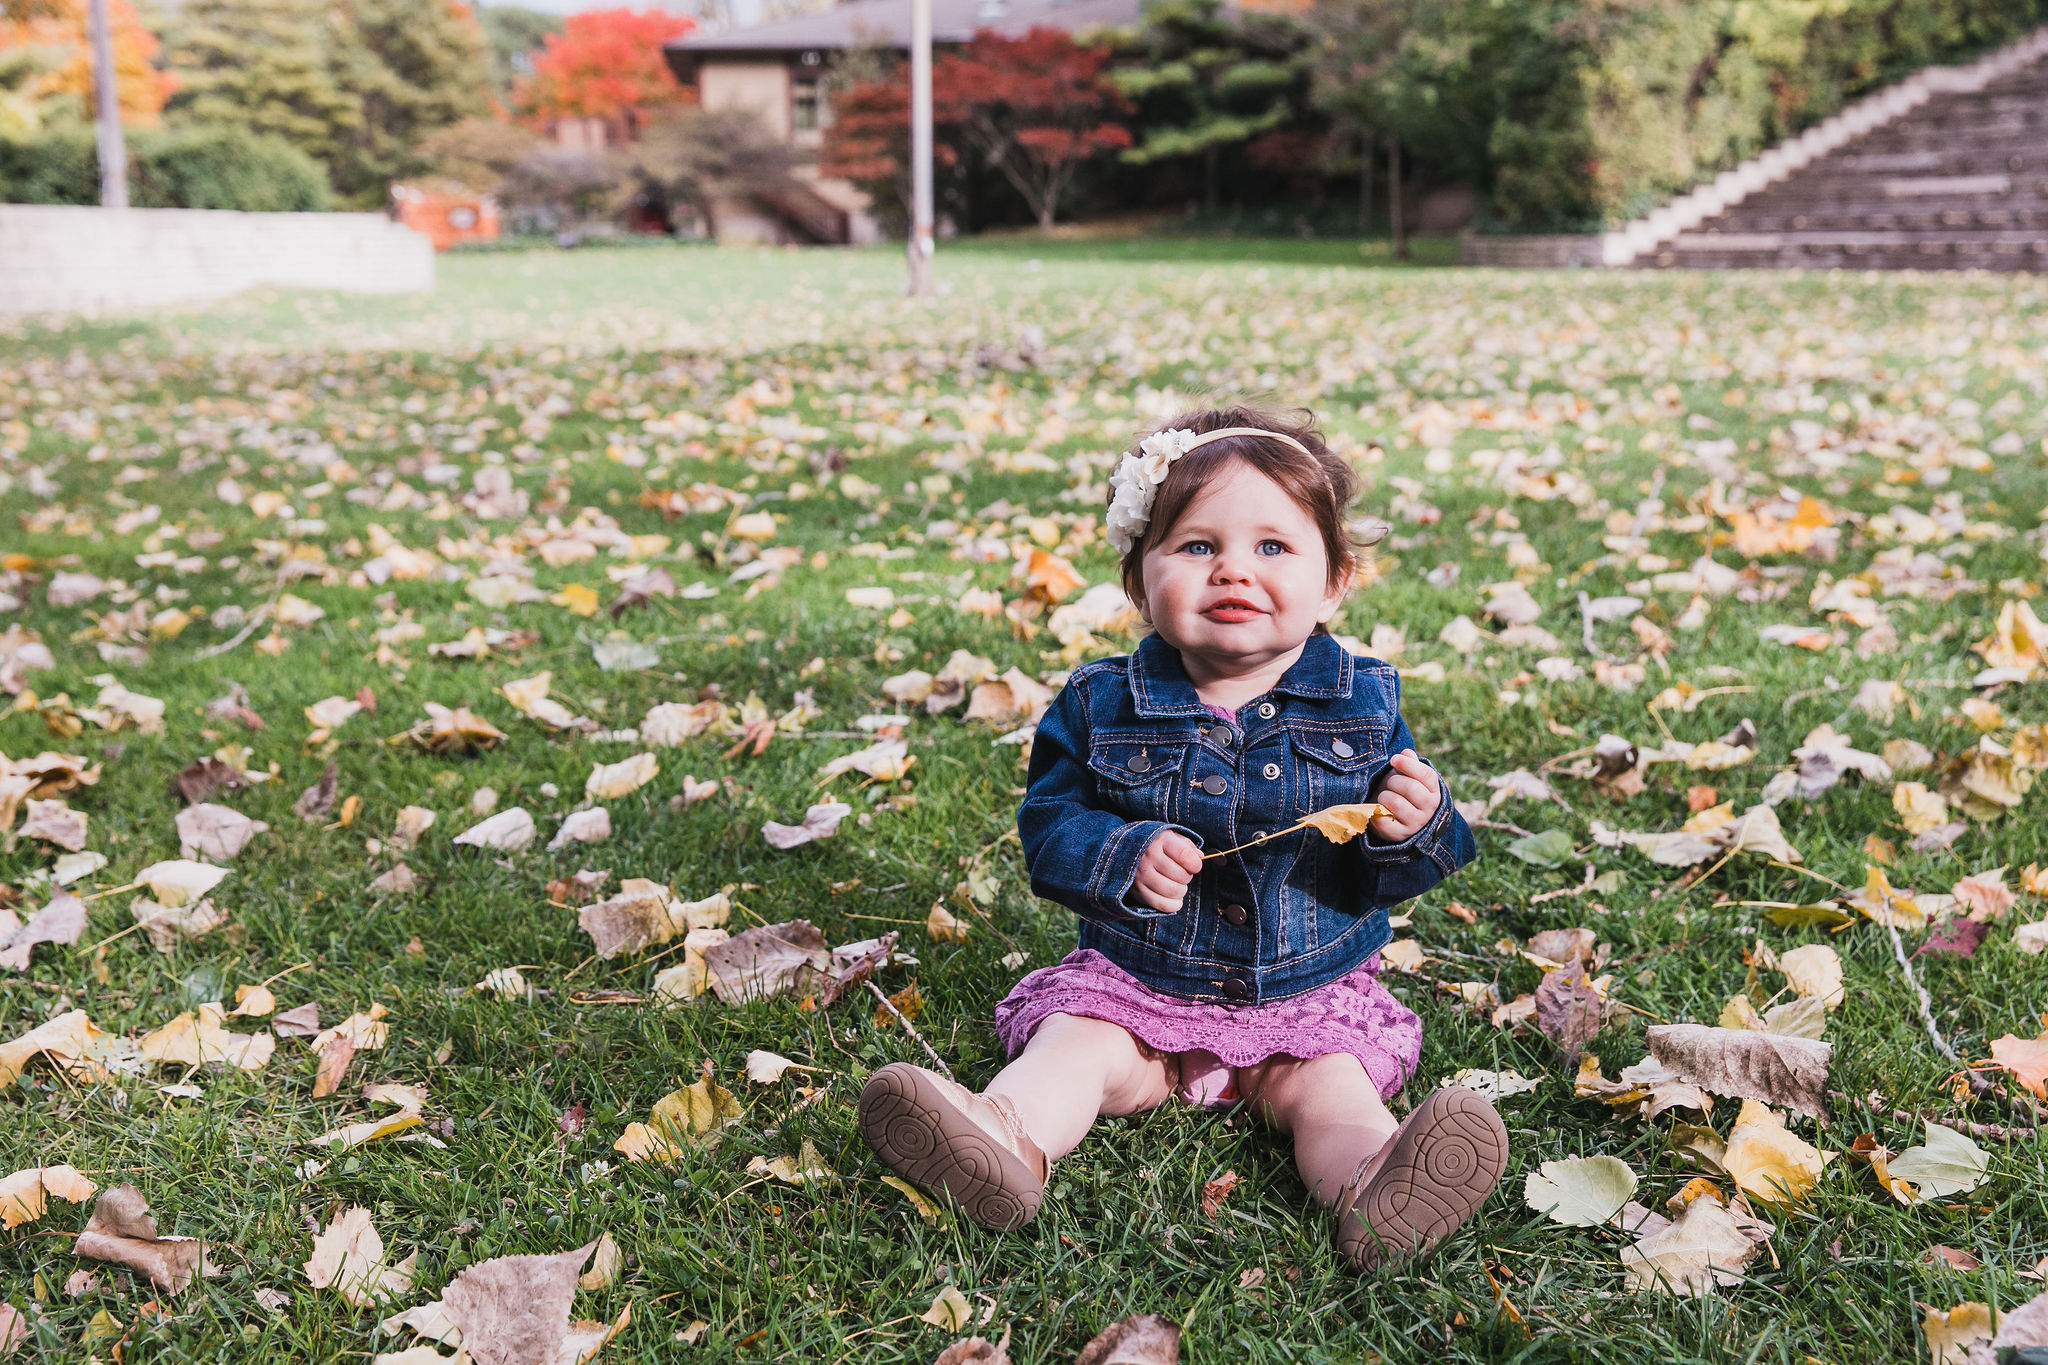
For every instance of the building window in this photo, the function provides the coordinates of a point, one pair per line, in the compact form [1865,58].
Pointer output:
[808,108]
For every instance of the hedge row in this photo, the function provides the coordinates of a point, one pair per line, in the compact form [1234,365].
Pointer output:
[1583,113]
[180,168]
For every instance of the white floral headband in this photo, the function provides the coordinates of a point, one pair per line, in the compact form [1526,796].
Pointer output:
[1136,481]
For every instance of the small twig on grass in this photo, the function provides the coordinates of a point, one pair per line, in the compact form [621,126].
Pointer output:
[1581,889]
[1513,829]
[288,971]
[1926,1001]
[111,937]
[1997,1132]
[261,614]
[908,1027]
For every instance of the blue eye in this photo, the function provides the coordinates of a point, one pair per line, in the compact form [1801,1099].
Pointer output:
[1197,547]
[1272,547]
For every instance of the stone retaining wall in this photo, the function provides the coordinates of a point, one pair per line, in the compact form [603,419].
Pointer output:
[61,259]
[1529,253]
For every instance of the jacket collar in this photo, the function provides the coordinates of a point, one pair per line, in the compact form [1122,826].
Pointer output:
[1160,685]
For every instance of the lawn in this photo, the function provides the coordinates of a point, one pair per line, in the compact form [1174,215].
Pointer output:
[1564,433]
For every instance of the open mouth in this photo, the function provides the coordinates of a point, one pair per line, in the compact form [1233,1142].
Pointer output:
[1232,609]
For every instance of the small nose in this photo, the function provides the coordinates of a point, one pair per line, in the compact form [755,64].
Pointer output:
[1231,568]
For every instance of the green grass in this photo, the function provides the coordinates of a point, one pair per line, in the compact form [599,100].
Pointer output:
[840,1272]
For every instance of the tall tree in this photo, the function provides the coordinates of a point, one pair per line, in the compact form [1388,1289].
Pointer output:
[515,36]
[267,65]
[606,64]
[1036,108]
[1205,85]
[46,64]
[868,140]
[418,66]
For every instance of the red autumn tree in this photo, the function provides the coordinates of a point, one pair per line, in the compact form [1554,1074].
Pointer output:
[1036,108]
[868,139]
[607,64]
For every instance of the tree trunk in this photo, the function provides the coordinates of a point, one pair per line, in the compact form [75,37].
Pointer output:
[1394,206]
[1209,179]
[1366,148]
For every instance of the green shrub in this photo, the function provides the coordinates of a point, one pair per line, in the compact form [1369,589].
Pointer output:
[196,167]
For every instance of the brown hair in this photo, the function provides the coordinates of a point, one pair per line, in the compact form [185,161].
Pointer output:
[1321,483]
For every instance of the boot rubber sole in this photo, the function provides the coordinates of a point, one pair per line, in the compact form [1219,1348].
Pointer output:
[1439,1167]
[919,1133]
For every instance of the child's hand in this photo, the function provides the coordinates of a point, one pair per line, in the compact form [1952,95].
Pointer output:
[1411,795]
[1165,868]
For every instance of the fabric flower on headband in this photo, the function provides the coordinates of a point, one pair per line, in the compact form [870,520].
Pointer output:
[1136,481]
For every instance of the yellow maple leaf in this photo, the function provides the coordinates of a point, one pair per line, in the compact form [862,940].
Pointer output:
[1768,1161]
[1342,824]
[579,600]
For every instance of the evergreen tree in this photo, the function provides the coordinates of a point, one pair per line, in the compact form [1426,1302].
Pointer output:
[417,66]
[266,65]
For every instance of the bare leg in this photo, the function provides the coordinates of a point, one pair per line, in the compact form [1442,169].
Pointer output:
[1330,1107]
[1075,1069]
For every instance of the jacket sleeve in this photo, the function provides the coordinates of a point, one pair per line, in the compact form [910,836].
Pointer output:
[1429,855]
[1080,855]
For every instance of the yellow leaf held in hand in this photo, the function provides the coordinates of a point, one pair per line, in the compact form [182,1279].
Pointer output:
[1342,824]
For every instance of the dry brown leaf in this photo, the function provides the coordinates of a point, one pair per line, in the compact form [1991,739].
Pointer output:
[1768,1161]
[1950,1335]
[628,922]
[950,1310]
[61,922]
[1775,1068]
[1702,1249]
[605,1264]
[122,1231]
[196,1038]
[56,823]
[1140,1339]
[769,960]
[25,1194]
[977,1351]
[350,1257]
[14,1330]
[1568,1010]
[1214,1192]
[514,1310]
[68,1040]
[821,821]
[2025,1059]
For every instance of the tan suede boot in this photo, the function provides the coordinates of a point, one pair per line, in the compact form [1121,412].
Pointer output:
[945,1139]
[1432,1176]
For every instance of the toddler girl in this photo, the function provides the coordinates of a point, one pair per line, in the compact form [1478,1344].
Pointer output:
[1221,959]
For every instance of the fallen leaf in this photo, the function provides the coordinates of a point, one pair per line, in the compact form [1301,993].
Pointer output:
[210,831]
[180,881]
[821,821]
[1768,1161]
[943,926]
[1814,970]
[1568,1010]
[1774,1068]
[2025,1058]
[60,922]
[605,1264]
[349,1257]
[765,1068]
[949,1310]
[976,1351]
[122,1231]
[926,1209]
[1214,1192]
[195,1038]
[1947,1163]
[1546,849]
[1140,1339]
[610,781]
[166,926]
[317,800]
[1701,1250]
[25,1194]
[507,832]
[769,960]
[514,1310]
[802,1169]
[14,1330]
[356,1134]
[1950,1335]
[54,822]
[1580,1192]
[583,827]
[68,1040]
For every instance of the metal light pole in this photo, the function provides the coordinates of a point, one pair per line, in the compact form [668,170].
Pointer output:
[107,95]
[921,245]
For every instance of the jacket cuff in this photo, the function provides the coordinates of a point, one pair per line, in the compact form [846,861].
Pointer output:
[1423,839]
[1116,868]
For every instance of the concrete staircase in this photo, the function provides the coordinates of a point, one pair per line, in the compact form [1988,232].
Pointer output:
[1947,170]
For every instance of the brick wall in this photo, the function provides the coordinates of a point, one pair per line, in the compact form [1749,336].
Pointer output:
[57,259]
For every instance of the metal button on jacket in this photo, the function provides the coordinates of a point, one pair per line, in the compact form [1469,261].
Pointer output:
[1266,710]
[1272,770]
[1235,914]
[1141,764]
[1341,749]
[1215,784]
[1236,989]
[1221,734]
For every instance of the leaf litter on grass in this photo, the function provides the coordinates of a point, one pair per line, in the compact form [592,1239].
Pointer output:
[424,540]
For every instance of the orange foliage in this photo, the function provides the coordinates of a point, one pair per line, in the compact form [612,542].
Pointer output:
[604,63]
[64,25]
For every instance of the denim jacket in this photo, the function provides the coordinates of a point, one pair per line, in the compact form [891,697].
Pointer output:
[1128,749]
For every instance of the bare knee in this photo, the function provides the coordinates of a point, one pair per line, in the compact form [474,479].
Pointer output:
[1132,1075]
[1331,1088]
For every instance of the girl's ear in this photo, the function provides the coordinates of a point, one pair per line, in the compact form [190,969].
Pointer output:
[1334,598]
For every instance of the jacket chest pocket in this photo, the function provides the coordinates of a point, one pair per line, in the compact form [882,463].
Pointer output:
[1336,767]
[1138,777]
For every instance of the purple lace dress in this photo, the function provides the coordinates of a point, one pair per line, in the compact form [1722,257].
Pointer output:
[1356,1015]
